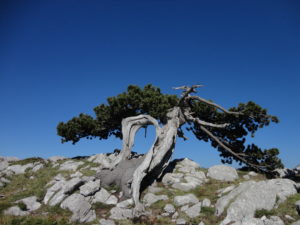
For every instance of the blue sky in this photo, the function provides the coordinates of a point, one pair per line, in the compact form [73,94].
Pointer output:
[61,58]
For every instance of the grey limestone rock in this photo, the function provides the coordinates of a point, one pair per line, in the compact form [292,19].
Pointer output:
[187,163]
[296,223]
[206,202]
[37,167]
[153,189]
[60,190]
[222,173]
[3,164]
[120,213]
[225,190]
[185,199]
[170,178]
[183,186]
[101,196]
[81,209]
[112,200]
[151,198]
[180,221]
[15,211]
[194,210]
[20,169]
[90,188]
[31,203]
[250,196]
[106,222]
[169,208]
[125,204]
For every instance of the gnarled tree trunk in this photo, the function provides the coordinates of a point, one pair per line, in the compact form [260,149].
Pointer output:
[130,174]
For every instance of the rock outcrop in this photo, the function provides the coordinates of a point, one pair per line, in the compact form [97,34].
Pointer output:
[185,193]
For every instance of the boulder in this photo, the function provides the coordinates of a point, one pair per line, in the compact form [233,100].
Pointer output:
[15,211]
[185,199]
[31,203]
[90,188]
[187,163]
[222,173]
[81,209]
[61,190]
[170,178]
[184,186]
[296,223]
[151,198]
[101,196]
[19,169]
[243,201]
[194,210]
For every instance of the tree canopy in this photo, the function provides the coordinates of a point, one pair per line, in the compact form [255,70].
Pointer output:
[150,101]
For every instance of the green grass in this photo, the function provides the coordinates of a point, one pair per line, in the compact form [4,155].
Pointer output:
[28,160]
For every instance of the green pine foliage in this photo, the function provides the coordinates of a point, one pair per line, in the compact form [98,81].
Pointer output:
[149,100]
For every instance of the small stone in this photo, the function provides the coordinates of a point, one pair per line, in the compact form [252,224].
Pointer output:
[194,211]
[169,208]
[184,208]
[101,196]
[252,173]
[150,198]
[125,204]
[201,223]
[180,221]
[185,199]
[206,202]
[246,177]
[120,213]
[175,215]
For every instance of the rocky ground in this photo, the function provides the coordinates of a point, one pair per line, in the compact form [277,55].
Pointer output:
[61,191]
